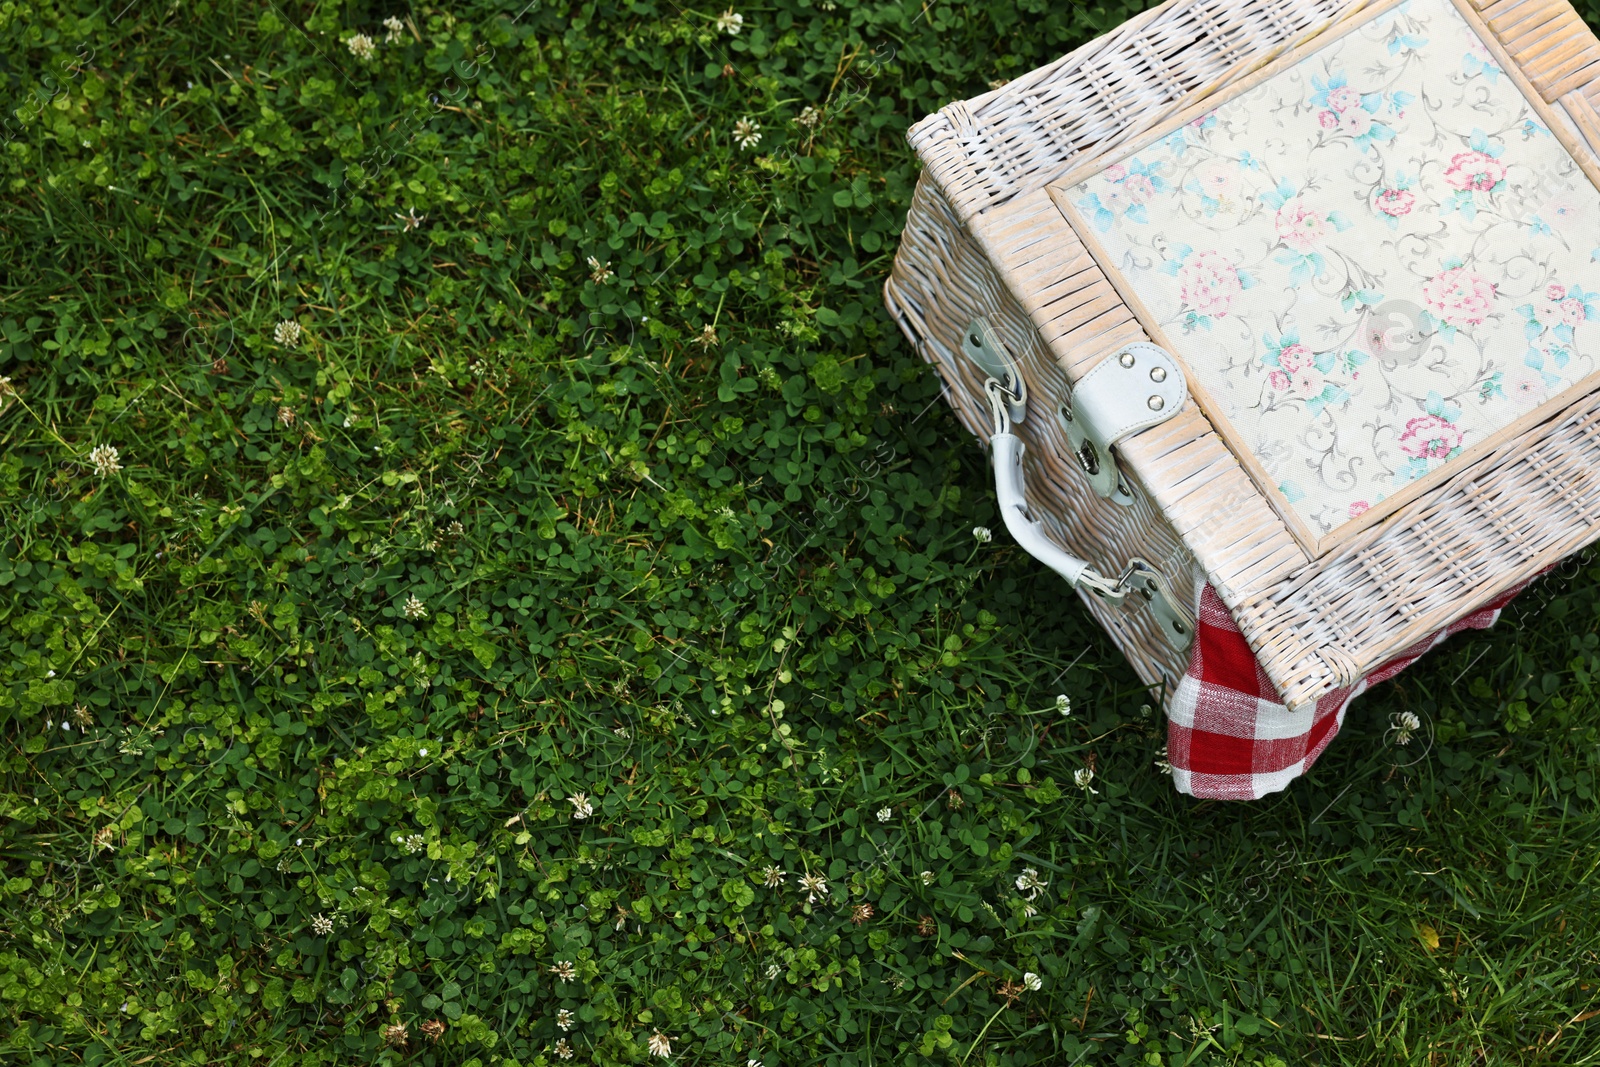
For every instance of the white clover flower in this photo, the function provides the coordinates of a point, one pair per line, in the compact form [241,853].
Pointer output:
[1028,910]
[622,732]
[565,1019]
[564,970]
[773,877]
[322,926]
[563,1049]
[104,460]
[6,389]
[410,220]
[773,970]
[1032,981]
[1030,883]
[815,885]
[747,132]
[361,47]
[660,1044]
[581,808]
[753,1062]
[808,117]
[414,608]
[394,26]
[1403,724]
[599,272]
[927,877]
[1063,704]
[1082,777]
[411,844]
[730,23]
[286,415]
[885,814]
[287,333]
[707,338]
[983,534]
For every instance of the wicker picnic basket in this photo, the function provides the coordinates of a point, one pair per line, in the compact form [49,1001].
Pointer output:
[1131,400]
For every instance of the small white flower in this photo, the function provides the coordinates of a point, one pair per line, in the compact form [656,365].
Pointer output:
[1082,777]
[1403,724]
[1032,981]
[622,732]
[753,1062]
[927,877]
[394,26]
[983,534]
[414,608]
[730,23]
[1063,704]
[422,752]
[773,970]
[747,132]
[565,1019]
[660,1044]
[1030,883]
[104,460]
[287,333]
[815,885]
[361,47]
[322,926]
[1028,910]
[808,117]
[564,970]
[773,877]
[707,338]
[885,814]
[599,272]
[412,844]
[581,808]
[563,1049]
[410,220]
[286,415]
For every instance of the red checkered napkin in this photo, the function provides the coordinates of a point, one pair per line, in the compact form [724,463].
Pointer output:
[1229,737]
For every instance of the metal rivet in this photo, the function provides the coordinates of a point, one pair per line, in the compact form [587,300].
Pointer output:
[1126,359]
[1158,374]
[1156,403]
[974,340]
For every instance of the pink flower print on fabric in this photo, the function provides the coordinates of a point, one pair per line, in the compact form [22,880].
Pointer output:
[1116,173]
[1555,293]
[1572,312]
[1343,98]
[1294,358]
[1209,283]
[1328,120]
[1359,508]
[1301,228]
[1458,296]
[1308,382]
[1474,172]
[1138,189]
[1279,381]
[1396,202]
[1430,437]
[1216,178]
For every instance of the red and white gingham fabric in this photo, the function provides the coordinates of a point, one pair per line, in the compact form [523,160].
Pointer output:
[1229,737]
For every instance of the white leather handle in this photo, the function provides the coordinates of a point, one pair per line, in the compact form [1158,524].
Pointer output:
[1008,449]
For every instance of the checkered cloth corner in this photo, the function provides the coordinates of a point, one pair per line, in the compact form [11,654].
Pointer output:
[1229,737]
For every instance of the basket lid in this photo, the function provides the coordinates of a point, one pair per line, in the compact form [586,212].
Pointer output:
[1377,257]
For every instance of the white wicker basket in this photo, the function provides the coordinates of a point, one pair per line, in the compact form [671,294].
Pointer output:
[1000,270]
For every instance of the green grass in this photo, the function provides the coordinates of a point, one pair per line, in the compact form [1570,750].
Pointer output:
[725,589]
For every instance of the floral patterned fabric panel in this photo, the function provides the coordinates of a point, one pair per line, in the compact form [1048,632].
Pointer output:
[1374,260]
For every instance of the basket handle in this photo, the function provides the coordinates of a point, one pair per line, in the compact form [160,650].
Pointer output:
[1007,449]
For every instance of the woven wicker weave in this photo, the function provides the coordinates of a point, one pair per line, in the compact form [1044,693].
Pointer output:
[985,239]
